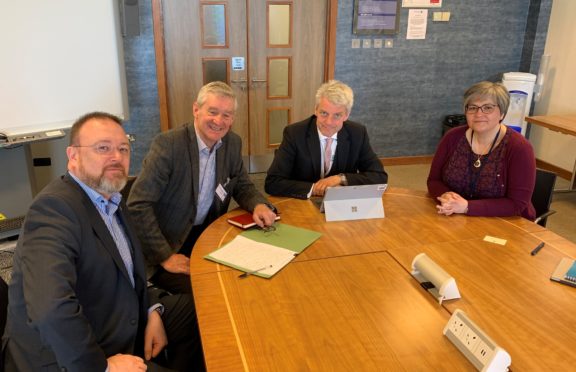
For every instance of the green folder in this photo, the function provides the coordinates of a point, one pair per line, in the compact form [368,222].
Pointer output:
[264,252]
[285,236]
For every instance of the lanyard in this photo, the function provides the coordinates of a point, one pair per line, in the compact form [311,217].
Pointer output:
[475,176]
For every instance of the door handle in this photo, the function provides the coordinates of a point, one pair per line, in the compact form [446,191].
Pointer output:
[240,81]
[255,81]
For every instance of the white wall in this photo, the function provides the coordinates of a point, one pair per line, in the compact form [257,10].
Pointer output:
[559,95]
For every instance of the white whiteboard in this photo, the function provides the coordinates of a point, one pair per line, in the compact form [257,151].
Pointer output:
[60,59]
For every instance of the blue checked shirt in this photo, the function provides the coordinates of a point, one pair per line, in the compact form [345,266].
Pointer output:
[207,180]
[107,210]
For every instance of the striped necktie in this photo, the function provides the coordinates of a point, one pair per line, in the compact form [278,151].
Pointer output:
[327,155]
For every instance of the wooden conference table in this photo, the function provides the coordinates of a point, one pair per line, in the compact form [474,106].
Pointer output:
[565,124]
[348,302]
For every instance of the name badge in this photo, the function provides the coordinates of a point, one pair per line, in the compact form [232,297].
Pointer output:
[221,192]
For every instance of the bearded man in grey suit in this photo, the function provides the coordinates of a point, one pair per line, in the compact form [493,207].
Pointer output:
[78,298]
[187,180]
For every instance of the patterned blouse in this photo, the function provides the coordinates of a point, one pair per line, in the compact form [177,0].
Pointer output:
[472,183]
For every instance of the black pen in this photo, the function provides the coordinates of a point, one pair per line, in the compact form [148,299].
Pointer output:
[537,249]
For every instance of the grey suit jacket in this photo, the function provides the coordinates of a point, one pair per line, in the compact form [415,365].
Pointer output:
[71,302]
[296,164]
[163,199]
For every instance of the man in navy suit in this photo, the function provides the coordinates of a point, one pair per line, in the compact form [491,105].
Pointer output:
[325,150]
[78,298]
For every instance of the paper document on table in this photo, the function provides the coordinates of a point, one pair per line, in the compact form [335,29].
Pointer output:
[248,255]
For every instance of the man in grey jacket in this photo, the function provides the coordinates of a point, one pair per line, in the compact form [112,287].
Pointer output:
[188,178]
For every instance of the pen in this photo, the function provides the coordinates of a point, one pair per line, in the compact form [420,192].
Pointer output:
[246,273]
[537,249]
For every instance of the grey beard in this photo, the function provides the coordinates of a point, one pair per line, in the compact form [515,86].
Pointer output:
[109,187]
[104,185]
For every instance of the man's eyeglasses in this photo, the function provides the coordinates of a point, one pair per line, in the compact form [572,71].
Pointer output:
[103,148]
[487,109]
[268,229]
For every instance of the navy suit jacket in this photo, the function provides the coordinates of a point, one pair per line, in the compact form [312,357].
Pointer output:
[71,302]
[296,164]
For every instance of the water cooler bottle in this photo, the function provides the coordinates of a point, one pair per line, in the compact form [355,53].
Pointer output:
[520,85]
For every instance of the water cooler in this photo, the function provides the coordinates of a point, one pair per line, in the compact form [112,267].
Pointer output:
[520,85]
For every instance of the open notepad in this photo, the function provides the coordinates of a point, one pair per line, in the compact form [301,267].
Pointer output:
[264,253]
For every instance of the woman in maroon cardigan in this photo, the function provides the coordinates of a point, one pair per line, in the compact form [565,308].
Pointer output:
[484,169]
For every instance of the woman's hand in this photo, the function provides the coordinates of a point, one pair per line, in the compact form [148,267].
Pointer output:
[451,203]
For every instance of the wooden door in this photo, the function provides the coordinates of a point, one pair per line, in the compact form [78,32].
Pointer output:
[273,53]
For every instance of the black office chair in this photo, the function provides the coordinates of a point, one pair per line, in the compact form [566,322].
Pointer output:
[3,304]
[542,195]
[126,190]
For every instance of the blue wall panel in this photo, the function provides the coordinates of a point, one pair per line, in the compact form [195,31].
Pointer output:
[144,121]
[402,93]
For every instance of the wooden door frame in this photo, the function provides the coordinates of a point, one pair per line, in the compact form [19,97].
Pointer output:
[160,54]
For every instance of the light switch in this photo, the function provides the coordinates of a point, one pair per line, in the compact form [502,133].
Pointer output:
[437,16]
[445,16]
[388,43]
[378,43]
[367,43]
[355,43]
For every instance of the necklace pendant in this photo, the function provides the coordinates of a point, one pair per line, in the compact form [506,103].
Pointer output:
[477,163]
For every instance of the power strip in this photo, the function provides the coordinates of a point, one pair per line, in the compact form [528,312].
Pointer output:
[476,346]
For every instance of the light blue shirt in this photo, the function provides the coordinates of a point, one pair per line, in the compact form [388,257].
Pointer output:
[107,210]
[207,181]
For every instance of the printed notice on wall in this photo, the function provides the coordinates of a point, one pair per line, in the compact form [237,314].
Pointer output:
[417,23]
[237,63]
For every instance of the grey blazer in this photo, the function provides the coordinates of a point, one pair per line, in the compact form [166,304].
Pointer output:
[71,302]
[163,199]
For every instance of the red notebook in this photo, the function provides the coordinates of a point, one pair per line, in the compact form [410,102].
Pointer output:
[245,220]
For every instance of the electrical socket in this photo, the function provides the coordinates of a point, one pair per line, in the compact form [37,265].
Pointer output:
[476,346]
[469,338]
[456,326]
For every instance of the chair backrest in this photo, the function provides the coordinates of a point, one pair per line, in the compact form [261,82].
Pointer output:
[543,191]
[126,190]
[3,305]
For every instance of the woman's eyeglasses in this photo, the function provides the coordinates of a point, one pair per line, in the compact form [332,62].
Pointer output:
[486,109]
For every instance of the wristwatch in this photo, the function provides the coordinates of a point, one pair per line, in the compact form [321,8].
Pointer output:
[272,208]
[343,179]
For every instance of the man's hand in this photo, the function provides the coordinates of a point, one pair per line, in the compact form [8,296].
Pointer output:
[154,336]
[322,184]
[125,363]
[177,264]
[450,203]
[263,216]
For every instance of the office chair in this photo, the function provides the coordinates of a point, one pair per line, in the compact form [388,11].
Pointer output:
[542,195]
[3,304]
[126,190]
